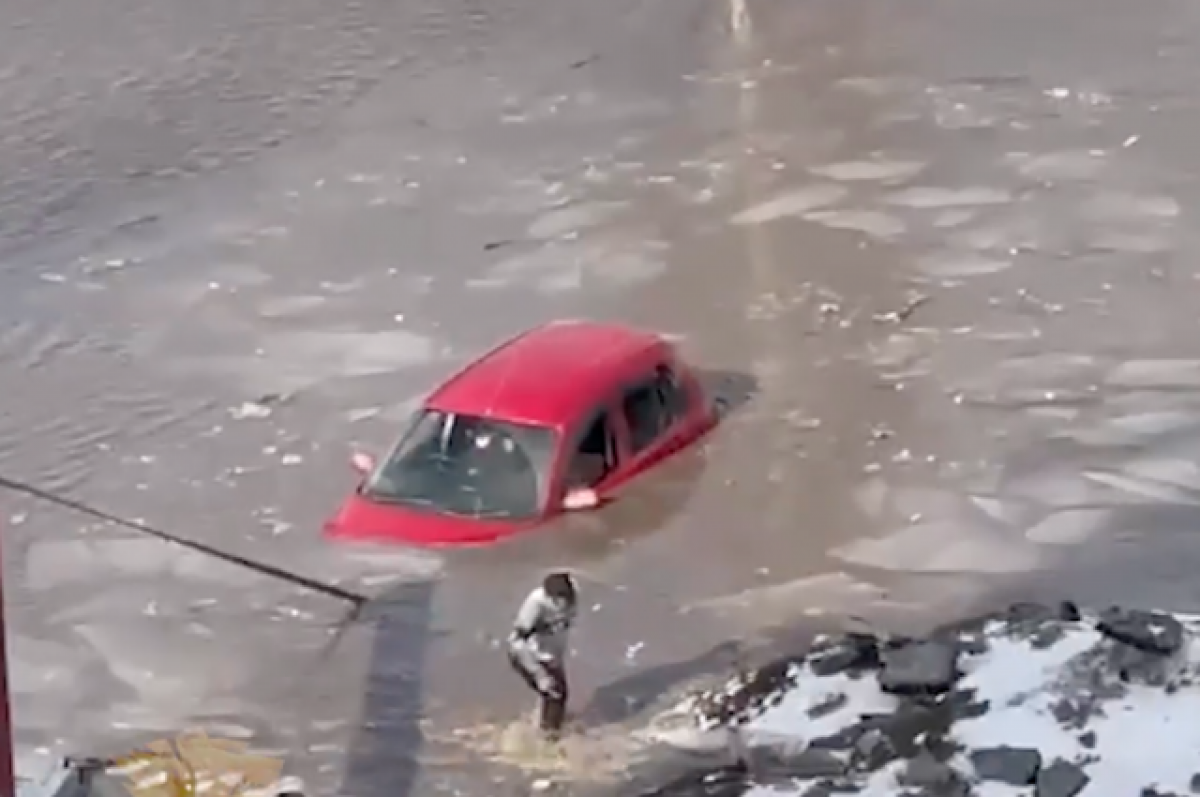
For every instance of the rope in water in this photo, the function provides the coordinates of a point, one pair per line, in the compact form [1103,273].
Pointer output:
[356,600]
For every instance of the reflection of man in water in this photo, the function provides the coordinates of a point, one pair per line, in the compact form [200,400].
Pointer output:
[537,646]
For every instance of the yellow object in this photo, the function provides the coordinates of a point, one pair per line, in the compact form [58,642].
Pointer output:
[197,765]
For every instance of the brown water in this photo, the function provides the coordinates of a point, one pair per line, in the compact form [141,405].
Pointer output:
[938,253]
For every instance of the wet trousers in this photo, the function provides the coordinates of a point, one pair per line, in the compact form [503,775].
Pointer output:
[552,712]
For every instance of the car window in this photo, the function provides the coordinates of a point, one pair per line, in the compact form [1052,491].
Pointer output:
[468,466]
[595,456]
[671,394]
[653,407]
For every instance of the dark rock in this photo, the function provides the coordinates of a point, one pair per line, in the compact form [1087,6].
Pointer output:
[959,788]
[1150,791]
[1015,766]
[1047,635]
[1069,612]
[828,706]
[1060,779]
[1152,632]
[1042,625]
[1071,714]
[826,788]
[1088,739]
[793,761]
[844,739]
[912,722]
[925,772]
[724,781]
[965,705]
[918,668]
[942,748]
[873,750]
[852,652]
[1033,613]
[1195,784]
[971,644]
[752,693]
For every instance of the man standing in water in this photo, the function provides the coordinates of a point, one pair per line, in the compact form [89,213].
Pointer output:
[537,646]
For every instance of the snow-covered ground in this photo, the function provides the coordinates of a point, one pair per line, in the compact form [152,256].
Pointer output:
[1051,702]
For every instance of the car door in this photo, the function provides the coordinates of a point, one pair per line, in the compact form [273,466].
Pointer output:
[654,410]
[594,454]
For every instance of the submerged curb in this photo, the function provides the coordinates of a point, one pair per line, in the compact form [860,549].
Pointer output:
[1048,701]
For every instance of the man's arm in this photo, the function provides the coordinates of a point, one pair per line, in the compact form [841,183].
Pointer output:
[530,620]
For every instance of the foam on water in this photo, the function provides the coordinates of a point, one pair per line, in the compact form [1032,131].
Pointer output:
[872,223]
[796,202]
[938,198]
[882,170]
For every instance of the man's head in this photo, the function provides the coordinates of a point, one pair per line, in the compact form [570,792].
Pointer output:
[560,586]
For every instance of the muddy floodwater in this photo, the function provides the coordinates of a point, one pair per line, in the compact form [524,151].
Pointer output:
[940,257]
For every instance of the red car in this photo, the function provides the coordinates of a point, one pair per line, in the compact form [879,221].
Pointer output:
[553,420]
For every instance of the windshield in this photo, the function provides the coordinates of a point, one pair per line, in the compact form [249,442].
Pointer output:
[468,466]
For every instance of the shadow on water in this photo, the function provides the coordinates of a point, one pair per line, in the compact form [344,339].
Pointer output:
[623,699]
[383,756]
[1117,508]
[657,688]
[731,390]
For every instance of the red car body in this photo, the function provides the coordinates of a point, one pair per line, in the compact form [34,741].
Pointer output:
[575,382]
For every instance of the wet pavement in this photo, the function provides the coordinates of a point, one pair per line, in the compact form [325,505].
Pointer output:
[936,255]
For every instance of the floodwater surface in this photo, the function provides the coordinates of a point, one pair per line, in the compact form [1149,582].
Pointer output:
[937,257]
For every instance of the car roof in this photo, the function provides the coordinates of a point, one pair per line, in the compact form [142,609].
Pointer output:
[546,376]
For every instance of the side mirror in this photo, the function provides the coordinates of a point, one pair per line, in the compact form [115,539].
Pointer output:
[580,499]
[363,464]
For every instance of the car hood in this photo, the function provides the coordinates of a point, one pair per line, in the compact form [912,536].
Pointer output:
[362,520]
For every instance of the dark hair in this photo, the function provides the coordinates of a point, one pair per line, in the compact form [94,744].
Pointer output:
[560,585]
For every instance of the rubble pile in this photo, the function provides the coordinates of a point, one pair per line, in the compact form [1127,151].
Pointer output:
[1036,700]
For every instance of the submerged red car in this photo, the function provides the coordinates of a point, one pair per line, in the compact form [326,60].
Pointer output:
[553,420]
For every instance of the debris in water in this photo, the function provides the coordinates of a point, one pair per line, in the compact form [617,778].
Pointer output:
[248,410]
[903,314]
[362,414]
